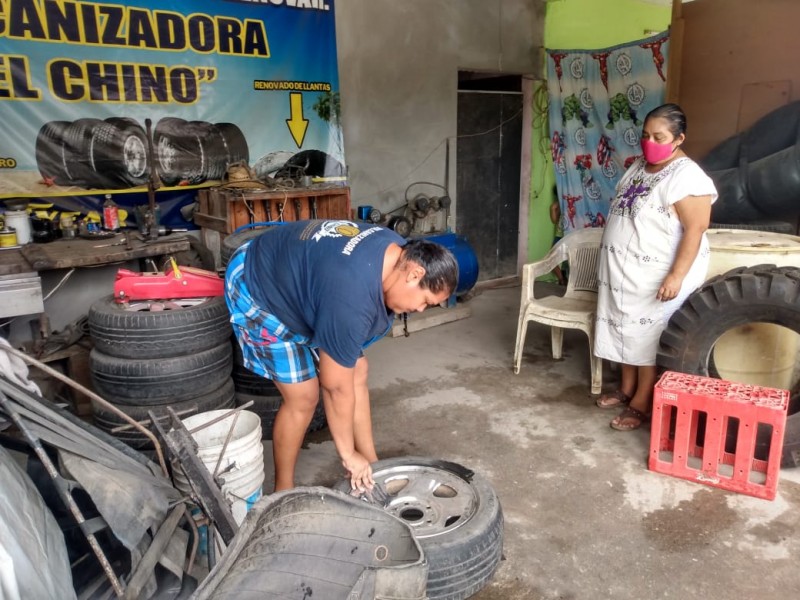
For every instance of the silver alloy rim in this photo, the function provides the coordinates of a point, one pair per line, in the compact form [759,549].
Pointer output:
[432,501]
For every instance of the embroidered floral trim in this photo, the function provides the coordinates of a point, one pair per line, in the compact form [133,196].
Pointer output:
[636,191]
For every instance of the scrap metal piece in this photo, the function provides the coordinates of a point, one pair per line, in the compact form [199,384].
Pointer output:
[209,496]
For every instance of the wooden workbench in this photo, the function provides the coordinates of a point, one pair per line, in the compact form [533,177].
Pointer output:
[79,252]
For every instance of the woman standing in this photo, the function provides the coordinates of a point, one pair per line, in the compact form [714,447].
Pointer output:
[654,253]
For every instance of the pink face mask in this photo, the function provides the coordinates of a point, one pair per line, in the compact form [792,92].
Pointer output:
[655,153]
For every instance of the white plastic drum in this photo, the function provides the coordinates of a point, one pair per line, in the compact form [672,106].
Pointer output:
[759,353]
[242,464]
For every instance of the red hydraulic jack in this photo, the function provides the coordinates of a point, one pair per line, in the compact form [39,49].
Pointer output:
[173,283]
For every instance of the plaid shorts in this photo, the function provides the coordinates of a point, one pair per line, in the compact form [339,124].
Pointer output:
[269,349]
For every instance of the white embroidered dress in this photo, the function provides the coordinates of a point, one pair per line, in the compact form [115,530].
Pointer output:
[639,245]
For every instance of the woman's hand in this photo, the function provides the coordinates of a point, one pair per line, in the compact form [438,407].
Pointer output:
[359,471]
[670,288]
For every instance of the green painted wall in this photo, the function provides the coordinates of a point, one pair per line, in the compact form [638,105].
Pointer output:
[584,25]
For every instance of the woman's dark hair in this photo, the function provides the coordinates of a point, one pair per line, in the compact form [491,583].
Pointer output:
[441,268]
[673,114]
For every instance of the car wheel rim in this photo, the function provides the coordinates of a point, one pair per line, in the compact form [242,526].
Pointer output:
[431,501]
[162,305]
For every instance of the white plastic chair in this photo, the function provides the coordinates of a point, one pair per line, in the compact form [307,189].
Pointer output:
[576,308]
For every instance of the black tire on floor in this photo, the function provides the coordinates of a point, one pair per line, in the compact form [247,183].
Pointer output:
[147,382]
[150,329]
[222,397]
[763,293]
[232,242]
[266,407]
[50,152]
[463,556]
[791,442]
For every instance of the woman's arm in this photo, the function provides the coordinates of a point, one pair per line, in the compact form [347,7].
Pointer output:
[339,397]
[694,213]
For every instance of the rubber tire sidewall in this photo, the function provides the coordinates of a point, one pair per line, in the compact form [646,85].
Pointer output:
[147,382]
[234,241]
[50,152]
[158,334]
[219,398]
[759,294]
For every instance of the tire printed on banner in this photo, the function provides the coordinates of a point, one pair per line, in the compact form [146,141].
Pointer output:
[50,152]
[178,151]
[119,152]
[195,151]
[77,151]
[235,143]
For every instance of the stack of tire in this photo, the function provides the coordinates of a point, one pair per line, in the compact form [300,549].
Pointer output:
[251,387]
[151,355]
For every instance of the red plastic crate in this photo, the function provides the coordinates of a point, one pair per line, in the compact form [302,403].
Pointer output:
[720,433]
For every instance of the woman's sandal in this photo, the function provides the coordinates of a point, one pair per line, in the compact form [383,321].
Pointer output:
[636,418]
[613,399]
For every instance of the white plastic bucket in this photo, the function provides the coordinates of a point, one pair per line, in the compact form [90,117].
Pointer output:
[758,353]
[242,466]
[19,221]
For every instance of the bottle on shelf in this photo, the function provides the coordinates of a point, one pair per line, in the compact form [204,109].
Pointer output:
[110,214]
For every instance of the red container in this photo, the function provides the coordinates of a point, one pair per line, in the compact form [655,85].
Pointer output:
[711,430]
[110,214]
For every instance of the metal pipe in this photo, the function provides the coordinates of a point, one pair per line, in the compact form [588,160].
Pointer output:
[195,540]
[221,417]
[225,445]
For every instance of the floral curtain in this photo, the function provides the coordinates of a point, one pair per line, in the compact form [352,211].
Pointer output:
[597,103]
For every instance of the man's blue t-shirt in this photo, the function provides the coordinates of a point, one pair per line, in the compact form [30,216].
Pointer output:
[322,279]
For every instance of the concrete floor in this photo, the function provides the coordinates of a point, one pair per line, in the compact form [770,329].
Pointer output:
[584,518]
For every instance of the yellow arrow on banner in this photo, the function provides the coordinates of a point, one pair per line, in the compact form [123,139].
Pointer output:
[297,124]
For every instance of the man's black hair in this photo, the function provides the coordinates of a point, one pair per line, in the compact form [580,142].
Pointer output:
[441,268]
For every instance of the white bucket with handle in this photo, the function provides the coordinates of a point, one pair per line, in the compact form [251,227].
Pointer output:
[241,467]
